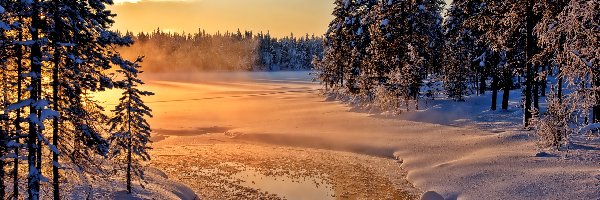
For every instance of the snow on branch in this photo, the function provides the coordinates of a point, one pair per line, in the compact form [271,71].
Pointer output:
[589,128]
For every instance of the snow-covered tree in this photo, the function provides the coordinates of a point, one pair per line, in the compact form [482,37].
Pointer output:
[377,46]
[58,53]
[37,105]
[358,35]
[336,48]
[427,24]
[571,35]
[129,128]
[470,52]
[458,52]
[389,47]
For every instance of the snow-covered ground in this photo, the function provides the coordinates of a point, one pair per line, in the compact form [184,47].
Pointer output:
[458,149]
[157,185]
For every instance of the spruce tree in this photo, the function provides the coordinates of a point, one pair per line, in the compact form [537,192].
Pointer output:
[389,48]
[129,128]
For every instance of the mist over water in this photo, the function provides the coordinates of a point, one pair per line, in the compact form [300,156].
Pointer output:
[168,53]
[240,51]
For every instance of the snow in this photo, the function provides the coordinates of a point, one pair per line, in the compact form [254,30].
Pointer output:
[27,43]
[385,22]
[54,150]
[157,186]
[66,44]
[431,195]
[588,128]
[346,3]
[36,120]
[461,150]
[4,26]
[473,113]
[47,114]
[585,61]
[20,104]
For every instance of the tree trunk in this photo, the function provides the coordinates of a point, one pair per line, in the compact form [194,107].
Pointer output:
[4,130]
[544,81]
[55,126]
[529,65]
[417,102]
[18,130]
[507,86]
[129,141]
[482,82]
[560,86]
[586,119]
[33,177]
[536,89]
[597,93]
[55,99]
[528,94]
[341,76]
[494,92]
[3,150]
[129,164]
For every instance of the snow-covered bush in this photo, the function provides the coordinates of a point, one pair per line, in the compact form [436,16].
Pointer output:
[553,128]
[385,100]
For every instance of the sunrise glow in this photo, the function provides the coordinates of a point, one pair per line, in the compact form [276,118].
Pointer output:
[299,99]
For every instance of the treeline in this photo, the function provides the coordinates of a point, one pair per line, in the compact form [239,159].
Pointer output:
[385,52]
[224,51]
[54,55]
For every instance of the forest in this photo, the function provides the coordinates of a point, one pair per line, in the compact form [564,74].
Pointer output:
[399,50]
[54,137]
[239,51]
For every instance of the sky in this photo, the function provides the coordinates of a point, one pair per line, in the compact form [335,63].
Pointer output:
[279,17]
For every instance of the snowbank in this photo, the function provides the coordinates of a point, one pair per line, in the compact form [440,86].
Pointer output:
[157,186]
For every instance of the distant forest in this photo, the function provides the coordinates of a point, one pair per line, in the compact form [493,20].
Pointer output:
[227,51]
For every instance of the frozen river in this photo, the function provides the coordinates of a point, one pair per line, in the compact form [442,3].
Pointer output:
[272,135]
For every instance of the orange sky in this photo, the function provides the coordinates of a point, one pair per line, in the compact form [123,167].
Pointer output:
[280,17]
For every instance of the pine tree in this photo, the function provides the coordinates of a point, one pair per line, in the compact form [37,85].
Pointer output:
[335,39]
[131,132]
[389,49]
[456,71]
